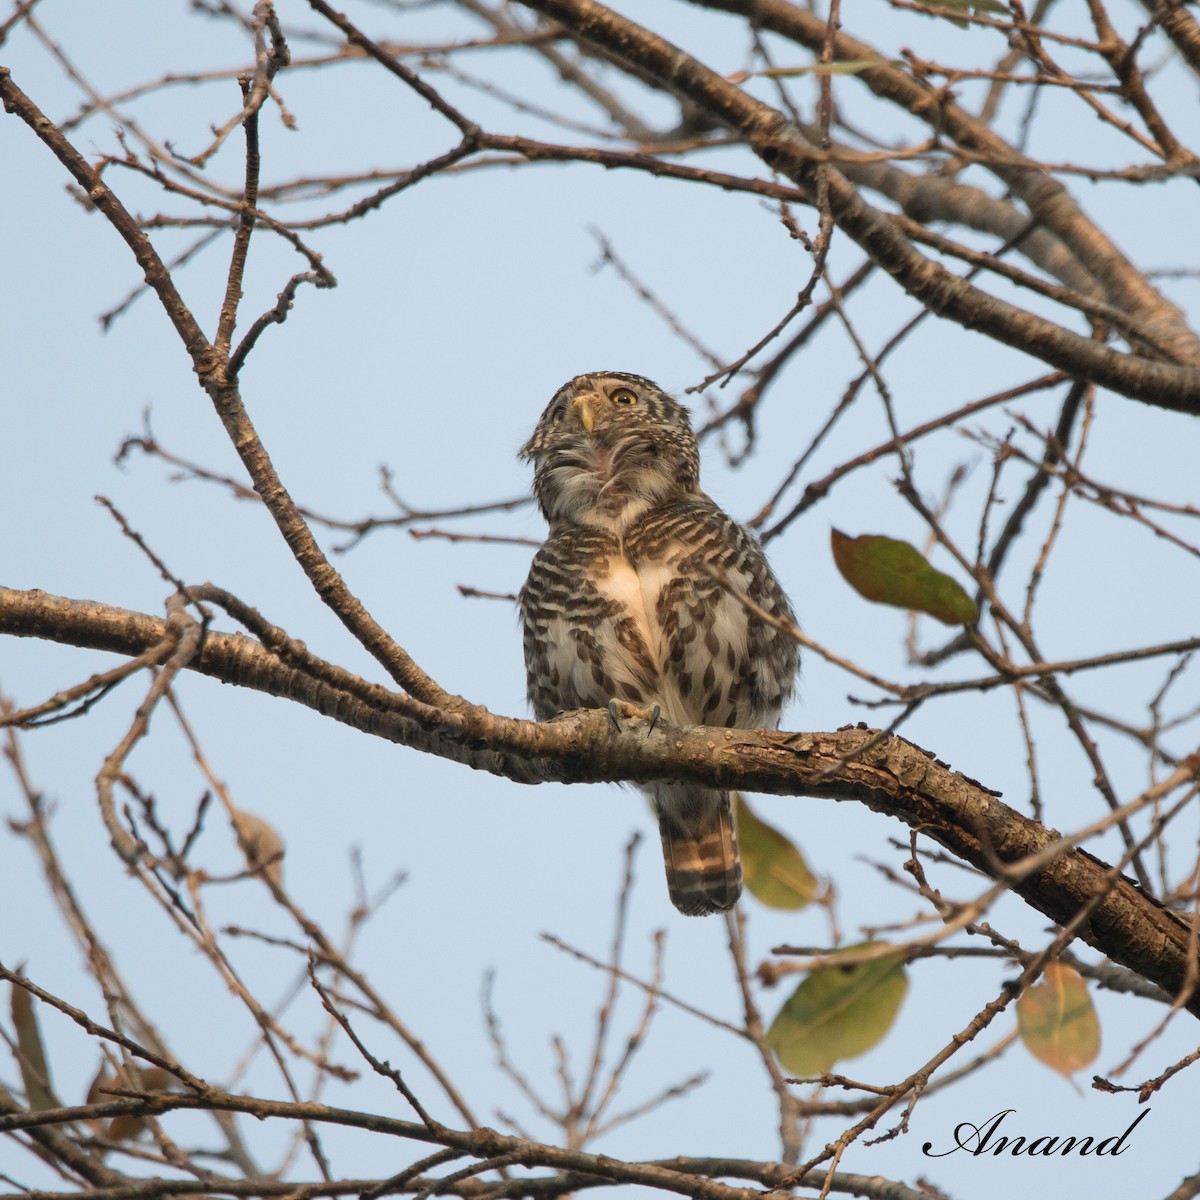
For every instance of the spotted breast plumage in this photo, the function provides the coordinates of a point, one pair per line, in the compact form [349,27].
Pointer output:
[634,596]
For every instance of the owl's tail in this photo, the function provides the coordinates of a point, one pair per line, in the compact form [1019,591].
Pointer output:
[704,873]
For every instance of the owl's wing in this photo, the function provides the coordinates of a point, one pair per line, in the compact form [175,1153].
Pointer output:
[724,665]
[584,643]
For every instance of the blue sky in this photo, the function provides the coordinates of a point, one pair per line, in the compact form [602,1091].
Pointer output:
[461,306]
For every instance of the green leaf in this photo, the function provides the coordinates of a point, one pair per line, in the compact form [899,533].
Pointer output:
[773,869]
[889,571]
[838,1012]
[1057,1021]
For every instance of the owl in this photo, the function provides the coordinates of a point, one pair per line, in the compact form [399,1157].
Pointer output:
[625,601]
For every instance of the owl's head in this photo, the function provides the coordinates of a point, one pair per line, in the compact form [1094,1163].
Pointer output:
[608,447]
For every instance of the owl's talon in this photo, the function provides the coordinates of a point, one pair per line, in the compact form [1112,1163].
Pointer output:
[650,714]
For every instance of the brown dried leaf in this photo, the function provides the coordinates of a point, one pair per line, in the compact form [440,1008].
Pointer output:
[31,1053]
[261,844]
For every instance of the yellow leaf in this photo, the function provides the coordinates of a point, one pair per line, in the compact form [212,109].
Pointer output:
[773,869]
[1057,1021]
[838,1012]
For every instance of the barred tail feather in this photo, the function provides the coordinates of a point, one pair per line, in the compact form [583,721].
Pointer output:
[704,873]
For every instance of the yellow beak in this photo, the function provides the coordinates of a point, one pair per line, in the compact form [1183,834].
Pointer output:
[587,414]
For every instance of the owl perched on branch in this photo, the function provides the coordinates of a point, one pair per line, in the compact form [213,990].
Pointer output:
[634,597]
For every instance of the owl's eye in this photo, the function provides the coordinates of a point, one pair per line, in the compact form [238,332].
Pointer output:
[624,396]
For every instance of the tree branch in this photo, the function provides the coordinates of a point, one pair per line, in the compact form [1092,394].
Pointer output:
[885,773]
[683,1176]
[1049,203]
[778,142]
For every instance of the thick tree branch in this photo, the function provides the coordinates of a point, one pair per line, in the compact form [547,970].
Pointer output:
[212,365]
[1049,202]
[886,774]
[1179,25]
[779,143]
[697,1177]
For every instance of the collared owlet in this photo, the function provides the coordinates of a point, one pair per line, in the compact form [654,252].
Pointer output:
[633,597]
